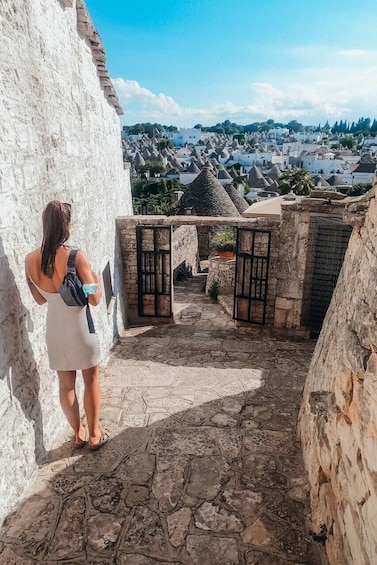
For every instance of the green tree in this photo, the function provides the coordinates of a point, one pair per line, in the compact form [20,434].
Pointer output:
[373,128]
[154,196]
[252,128]
[295,126]
[348,141]
[295,180]
[154,168]
[358,189]
[240,137]
[164,144]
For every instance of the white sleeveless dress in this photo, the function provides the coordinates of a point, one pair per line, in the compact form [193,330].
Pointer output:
[70,345]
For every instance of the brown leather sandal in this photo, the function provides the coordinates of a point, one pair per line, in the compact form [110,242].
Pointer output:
[105,436]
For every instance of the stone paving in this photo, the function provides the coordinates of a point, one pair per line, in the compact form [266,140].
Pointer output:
[203,466]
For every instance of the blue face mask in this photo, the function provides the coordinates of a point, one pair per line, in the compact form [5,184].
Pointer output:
[89,288]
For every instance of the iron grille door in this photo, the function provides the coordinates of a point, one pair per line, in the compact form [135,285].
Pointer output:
[251,280]
[154,271]
[330,245]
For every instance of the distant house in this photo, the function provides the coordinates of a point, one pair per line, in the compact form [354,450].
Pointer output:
[187,135]
[363,173]
[324,162]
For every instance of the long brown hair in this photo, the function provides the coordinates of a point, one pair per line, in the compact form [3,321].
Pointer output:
[56,218]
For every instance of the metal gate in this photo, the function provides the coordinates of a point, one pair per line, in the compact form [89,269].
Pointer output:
[154,271]
[251,280]
[330,243]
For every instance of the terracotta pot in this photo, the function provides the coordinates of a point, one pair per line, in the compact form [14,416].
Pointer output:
[226,254]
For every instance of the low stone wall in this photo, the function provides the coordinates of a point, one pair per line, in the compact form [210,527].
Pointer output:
[223,271]
[185,251]
[338,417]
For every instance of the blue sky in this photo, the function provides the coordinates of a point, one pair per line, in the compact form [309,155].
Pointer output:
[184,62]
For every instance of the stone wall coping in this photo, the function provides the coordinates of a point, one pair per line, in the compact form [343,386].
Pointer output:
[356,209]
[86,28]
[314,205]
[216,221]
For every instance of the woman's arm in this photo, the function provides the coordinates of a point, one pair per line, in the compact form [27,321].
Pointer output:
[39,299]
[87,276]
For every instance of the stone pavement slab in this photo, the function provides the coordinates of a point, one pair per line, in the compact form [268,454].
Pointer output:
[203,466]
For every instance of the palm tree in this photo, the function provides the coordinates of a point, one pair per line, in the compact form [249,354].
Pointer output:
[295,180]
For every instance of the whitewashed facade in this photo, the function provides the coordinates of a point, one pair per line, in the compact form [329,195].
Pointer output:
[187,135]
[59,138]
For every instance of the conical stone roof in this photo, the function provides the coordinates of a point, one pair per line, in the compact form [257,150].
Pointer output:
[146,154]
[224,175]
[237,199]
[275,172]
[176,164]
[319,181]
[193,168]
[254,175]
[336,180]
[195,153]
[205,196]
[139,161]
[258,182]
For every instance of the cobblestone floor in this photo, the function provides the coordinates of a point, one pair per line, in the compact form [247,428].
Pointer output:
[203,466]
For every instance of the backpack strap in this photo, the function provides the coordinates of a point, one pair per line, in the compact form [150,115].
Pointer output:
[71,261]
[72,269]
[90,320]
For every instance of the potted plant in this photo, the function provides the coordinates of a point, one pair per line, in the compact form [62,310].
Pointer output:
[224,243]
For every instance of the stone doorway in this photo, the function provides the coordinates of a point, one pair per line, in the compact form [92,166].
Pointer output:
[281,297]
[194,308]
[328,241]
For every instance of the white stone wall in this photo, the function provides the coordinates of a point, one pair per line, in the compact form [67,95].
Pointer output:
[59,138]
[338,419]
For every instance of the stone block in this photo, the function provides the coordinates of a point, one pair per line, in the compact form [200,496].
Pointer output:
[280,320]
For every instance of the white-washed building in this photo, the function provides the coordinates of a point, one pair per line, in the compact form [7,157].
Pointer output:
[60,139]
[187,135]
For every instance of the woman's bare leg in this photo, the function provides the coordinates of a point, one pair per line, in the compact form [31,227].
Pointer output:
[69,403]
[92,399]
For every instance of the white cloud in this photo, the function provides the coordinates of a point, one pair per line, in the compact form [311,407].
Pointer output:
[342,87]
[329,93]
[131,91]
[356,53]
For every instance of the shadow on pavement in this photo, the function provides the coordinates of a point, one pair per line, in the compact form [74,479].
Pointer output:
[203,467]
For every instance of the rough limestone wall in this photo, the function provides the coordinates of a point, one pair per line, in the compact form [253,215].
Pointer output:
[338,418]
[185,251]
[59,138]
[222,271]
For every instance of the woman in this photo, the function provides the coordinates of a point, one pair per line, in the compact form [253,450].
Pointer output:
[70,344]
